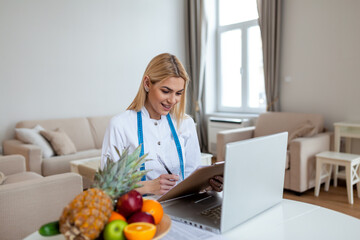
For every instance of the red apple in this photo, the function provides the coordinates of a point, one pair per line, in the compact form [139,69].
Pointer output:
[141,217]
[129,203]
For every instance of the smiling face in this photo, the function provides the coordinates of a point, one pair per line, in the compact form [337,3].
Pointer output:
[163,96]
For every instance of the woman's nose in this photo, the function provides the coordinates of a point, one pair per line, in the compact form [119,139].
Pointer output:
[172,99]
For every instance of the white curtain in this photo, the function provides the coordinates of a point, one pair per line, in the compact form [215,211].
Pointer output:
[196,48]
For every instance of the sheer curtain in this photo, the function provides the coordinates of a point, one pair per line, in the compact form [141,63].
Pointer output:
[269,22]
[196,48]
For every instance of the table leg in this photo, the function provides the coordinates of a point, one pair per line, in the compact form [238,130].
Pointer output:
[318,176]
[328,177]
[348,145]
[336,171]
[358,179]
[349,186]
[337,139]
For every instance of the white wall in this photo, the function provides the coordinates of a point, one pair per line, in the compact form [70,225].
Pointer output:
[75,58]
[320,52]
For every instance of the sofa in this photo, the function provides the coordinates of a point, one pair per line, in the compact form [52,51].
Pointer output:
[84,134]
[29,200]
[306,138]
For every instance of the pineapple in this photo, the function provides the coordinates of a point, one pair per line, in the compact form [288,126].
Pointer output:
[86,215]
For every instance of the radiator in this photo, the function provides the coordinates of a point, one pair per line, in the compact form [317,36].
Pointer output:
[216,124]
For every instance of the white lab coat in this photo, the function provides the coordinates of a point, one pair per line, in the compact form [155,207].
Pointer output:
[122,132]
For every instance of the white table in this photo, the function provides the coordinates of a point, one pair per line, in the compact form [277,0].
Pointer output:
[296,220]
[287,220]
[347,129]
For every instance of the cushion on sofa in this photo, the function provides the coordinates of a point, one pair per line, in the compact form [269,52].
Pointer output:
[78,129]
[305,129]
[60,141]
[20,177]
[32,136]
[275,122]
[61,164]
[2,178]
[98,127]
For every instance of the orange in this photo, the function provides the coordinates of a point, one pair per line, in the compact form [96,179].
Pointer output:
[140,230]
[116,216]
[154,208]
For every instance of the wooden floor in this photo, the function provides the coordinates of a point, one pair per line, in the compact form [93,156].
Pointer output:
[335,199]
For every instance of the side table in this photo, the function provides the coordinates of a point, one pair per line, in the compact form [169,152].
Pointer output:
[86,168]
[348,130]
[206,159]
[351,163]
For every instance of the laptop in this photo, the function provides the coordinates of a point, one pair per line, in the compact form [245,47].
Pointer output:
[253,182]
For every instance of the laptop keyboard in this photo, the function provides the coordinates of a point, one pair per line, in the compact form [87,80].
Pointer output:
[214,212]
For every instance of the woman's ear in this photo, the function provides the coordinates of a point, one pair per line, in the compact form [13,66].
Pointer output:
[146,83]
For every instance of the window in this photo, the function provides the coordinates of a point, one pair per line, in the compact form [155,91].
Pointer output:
[240,63]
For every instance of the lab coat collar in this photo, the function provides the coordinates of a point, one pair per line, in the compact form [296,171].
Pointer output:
[146,114]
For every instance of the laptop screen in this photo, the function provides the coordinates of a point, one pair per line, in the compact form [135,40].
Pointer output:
[253,178]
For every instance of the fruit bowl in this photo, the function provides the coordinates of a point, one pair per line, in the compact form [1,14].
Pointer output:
[112,193]
[163,227]
[161,230]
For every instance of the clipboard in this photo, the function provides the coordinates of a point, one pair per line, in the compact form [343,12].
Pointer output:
[194,183]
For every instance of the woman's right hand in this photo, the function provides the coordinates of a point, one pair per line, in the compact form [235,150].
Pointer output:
[160,185]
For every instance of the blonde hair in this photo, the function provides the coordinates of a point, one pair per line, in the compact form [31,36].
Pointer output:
[160,68]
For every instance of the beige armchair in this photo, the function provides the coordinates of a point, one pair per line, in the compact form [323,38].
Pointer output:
[306,138]
[28,200]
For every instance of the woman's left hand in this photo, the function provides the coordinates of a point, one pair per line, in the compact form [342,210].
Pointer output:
[216,183]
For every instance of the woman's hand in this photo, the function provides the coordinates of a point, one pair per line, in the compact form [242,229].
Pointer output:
[158,186]
[216,183]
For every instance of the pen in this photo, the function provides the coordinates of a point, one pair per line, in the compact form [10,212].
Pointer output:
[163,164]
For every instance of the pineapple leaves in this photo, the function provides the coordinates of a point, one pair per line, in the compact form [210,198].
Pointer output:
[119,177]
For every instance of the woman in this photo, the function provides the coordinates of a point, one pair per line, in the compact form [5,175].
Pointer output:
[156,119]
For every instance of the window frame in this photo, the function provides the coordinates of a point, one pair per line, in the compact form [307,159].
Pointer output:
[243,26]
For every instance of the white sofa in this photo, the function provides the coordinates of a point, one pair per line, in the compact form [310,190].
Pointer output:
[86,134]
[29,200]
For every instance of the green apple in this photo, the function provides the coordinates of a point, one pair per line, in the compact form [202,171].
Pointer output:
[114,230]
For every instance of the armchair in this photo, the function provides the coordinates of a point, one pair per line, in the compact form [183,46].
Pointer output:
[28,200]
[306,138]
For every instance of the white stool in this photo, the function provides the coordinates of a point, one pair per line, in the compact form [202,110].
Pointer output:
[351,163]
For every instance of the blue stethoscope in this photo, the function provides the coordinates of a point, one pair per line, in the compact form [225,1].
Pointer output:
[176,139]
